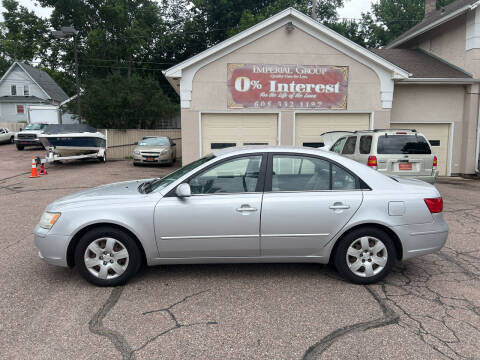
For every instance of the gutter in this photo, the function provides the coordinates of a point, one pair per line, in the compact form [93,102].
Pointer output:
[433,25]
[438,81]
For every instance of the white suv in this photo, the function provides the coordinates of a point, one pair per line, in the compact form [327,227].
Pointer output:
[395,152]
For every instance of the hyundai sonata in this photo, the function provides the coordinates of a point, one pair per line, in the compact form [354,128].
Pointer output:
[252,204]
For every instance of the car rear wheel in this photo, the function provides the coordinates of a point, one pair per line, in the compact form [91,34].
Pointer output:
[107,256]
[12,140]
[365,256]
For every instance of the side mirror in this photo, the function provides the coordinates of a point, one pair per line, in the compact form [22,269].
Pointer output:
[135,143]
[20,129]
[183,190]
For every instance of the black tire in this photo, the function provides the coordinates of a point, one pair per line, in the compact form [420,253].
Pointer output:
[125,239]
[340,256]
[135,164]
[20,147]
[12,140]
[103,159]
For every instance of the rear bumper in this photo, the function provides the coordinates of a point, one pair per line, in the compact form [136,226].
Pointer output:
[52,248]
[421,239]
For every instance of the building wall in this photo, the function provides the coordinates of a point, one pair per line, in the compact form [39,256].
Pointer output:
[439,104]
[209,92]
[446,41]
[18,77]
[8,112]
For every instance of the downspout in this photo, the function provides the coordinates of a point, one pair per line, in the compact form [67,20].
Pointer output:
[477,152]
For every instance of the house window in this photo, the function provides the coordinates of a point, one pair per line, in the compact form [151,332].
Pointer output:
[13,90]
[20,109]
[26,90]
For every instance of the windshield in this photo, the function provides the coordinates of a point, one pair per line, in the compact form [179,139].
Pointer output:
[403,144]
[159,141]
[160,184]
[35,126]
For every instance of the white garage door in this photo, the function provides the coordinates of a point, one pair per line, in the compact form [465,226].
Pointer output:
[308,127]
[439,137]
[226,130]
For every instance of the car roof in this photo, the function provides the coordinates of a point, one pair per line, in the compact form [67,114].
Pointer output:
[266,148]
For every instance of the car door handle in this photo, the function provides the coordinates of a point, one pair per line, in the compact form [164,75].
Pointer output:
[246,208]
[339,206]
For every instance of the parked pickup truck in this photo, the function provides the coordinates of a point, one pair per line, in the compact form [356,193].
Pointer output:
[29,136]
[6,136]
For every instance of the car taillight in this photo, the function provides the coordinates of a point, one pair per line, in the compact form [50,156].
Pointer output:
[434,205]
[435,161]
[372,161]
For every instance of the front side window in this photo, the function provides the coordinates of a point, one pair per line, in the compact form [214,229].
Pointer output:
[365,144]
[349,147]
[238,175]
[337,147]
[403,144]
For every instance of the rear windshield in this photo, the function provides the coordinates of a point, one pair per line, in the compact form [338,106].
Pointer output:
[403,144]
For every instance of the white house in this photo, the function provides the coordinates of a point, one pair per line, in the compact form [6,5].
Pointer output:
[23,85]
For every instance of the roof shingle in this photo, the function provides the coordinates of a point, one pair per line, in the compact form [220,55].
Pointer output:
[45,82]
[420,64]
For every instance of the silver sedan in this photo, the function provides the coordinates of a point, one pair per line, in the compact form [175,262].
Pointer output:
[252,204]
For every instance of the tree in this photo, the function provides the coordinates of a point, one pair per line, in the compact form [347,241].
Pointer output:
[122,102]
[23,35]
[391,18]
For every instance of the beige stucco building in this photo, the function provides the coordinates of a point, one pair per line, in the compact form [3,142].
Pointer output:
[289,79]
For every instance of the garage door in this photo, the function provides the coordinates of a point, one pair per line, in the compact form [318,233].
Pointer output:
[308,127]
[225,130]
[439,137]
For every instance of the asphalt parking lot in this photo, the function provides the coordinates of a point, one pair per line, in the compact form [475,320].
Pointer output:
[428,308]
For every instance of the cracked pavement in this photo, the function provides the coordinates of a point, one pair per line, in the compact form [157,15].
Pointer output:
[428,308]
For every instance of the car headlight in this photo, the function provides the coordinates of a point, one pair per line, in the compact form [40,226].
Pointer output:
[48,219]
[136,152]
[164,151]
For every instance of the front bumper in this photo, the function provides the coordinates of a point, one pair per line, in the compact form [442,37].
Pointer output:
[422,239]
[152,159]
[52,248]
[28,142]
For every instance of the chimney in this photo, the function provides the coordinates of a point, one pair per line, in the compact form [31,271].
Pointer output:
[430,5]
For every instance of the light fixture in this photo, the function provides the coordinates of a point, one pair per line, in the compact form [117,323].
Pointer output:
[289,27]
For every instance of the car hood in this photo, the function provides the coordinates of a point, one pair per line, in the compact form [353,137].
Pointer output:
[116,192]
[151,148]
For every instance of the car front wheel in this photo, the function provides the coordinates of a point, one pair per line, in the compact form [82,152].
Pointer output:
[107,256]
[365,256]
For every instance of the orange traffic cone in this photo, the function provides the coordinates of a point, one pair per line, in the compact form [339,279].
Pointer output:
[43,171]
[34,168]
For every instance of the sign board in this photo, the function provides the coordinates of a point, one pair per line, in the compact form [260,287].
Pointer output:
[267,86]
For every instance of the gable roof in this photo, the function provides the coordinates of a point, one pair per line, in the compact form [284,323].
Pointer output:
[42,79]
[175,72]
[434,19]
[421,64]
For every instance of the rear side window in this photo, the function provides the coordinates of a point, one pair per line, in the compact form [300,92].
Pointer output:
[349,147]
[403,144]
[365,144]
[337,147]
